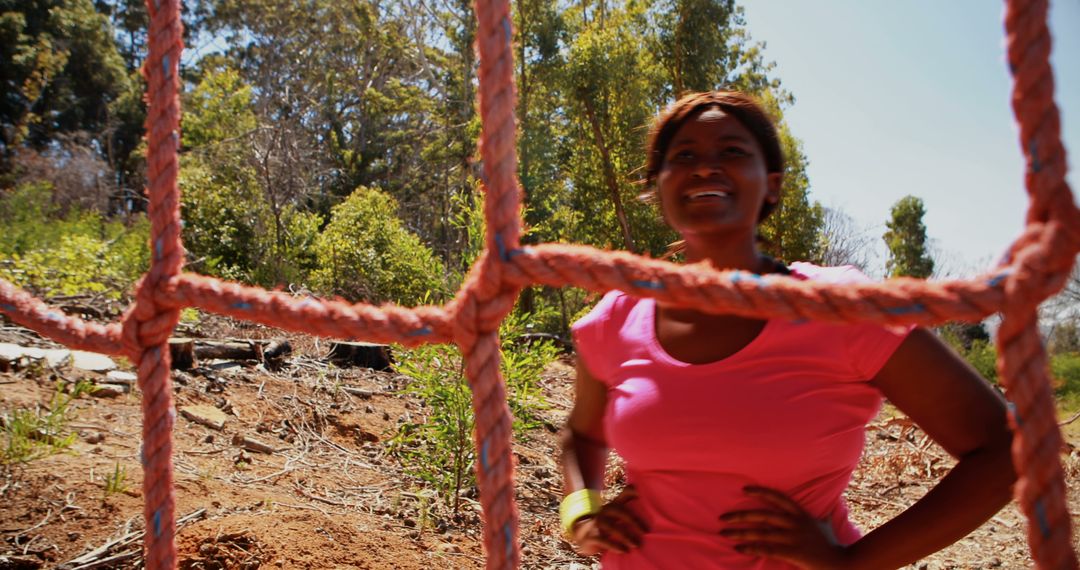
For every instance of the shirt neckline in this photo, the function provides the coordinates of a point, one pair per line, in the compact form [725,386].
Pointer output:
[662,354]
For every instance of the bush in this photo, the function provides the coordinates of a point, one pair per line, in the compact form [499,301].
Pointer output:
[365,253]
[439,450]
[79,253]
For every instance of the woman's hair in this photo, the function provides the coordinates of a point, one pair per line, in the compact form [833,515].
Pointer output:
[739,105]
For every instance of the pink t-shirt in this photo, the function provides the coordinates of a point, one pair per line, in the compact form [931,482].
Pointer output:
[788,411]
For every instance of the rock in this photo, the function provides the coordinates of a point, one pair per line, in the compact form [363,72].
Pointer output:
[110,390]
[91,361]
[251,444]
[448,547]
[56,356]
[94,438]
[208,416]
[121,377]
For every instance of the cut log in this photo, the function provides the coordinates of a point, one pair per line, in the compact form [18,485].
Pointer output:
[362,354]
[274,354]
[228,350]
[182,351]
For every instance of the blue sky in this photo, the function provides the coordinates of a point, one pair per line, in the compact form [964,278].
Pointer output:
[897,98]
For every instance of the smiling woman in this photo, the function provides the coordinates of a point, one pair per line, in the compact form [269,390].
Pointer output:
[740,434]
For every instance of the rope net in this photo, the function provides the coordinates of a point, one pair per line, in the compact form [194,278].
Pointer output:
[1035,267]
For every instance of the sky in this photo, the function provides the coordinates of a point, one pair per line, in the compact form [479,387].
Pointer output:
[896,98]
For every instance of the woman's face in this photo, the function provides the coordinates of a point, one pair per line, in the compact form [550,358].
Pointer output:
[713,179]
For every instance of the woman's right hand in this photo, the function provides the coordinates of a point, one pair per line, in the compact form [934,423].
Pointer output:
[613,527]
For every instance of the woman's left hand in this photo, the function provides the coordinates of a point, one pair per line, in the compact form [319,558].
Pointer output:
[784,531]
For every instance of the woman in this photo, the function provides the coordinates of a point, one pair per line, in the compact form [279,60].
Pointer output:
[740,435]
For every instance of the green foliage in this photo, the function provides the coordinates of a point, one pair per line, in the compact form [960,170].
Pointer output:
[440,450]
[906,238]
[32,434]
[1065,337]
[793,231]
[1065,368]
[59,68]
[116,482]
[366,253]
[79,253]
[974,345]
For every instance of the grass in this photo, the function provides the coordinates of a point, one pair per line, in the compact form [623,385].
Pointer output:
[30,434]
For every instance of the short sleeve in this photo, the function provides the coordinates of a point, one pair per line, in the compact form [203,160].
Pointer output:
[869,346]
[589,333]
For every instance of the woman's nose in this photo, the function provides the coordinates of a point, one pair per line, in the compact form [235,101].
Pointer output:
[707,167]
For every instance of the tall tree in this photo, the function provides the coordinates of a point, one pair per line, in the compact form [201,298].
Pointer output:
[843,242]
[59,69]
[906,238]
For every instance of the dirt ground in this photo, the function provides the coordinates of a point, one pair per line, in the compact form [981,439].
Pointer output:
[331,496]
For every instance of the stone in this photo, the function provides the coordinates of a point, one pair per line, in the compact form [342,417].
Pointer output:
[110,390]
[121,377]
[208,416]
[91,361]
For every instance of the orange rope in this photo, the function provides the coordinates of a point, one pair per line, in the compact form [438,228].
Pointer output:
[1036,267]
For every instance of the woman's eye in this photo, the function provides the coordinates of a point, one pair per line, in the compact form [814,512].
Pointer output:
[683,155]
[735,151]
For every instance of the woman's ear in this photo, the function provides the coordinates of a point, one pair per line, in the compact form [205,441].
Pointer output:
[774,181]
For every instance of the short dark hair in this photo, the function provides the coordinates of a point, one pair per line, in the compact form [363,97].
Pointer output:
[746,109]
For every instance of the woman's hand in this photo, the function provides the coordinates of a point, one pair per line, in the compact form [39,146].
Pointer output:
[613,527]
[785,532]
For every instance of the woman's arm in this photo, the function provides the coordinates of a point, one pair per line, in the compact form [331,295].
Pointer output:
[584,458]
[962,413]
[966,416]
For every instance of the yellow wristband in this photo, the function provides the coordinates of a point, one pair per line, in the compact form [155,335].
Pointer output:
[580,503]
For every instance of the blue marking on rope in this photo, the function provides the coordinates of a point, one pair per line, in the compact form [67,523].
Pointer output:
[997,279]
[916,308]
[508,535]
[158,247]
[1033,150]
[501,246]
[142,454]
[1011,407]
[53,316]
[8,308]
[507,29]
[165,70]
[484,454]
[157,523]
[746,276]
[654,285]
[516,252]
[1040,517]
[420,332]
[243,306]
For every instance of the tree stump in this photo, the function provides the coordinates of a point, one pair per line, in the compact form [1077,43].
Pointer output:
[182,352]
[361,354]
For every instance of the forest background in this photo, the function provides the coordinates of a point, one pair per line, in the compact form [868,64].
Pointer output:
[330,148]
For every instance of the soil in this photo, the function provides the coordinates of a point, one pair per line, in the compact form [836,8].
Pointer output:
[332,495]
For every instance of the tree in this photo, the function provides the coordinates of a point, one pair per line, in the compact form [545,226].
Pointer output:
[793,231]
[843,242]
[365,254]
[59,69]
[906,238]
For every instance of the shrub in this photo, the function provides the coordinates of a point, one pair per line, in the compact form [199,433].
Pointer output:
[79,253]
[365,253]
[439,450]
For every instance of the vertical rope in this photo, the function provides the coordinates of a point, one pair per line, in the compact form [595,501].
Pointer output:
[1022,360]
[486,298]
[147,324]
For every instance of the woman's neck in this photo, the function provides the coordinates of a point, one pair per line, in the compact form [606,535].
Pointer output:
[727,254]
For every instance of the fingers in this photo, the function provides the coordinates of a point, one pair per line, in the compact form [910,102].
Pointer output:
[774,498]
[760,517]
[614,527]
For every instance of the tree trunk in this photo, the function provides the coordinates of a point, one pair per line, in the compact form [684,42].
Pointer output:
[609,174]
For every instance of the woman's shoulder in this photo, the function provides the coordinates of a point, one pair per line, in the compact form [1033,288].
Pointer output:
[613,302]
